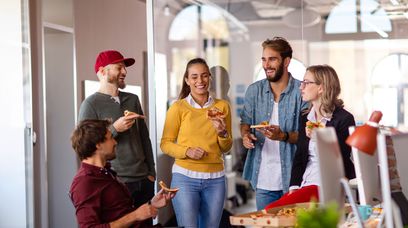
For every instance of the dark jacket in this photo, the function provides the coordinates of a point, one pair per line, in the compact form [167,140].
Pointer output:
[341,121]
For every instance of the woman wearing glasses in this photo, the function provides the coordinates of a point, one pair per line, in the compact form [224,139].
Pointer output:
[321,88]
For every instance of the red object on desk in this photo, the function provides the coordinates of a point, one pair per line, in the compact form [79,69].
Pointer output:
[364,138]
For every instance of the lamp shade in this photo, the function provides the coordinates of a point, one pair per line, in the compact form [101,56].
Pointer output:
[364,138]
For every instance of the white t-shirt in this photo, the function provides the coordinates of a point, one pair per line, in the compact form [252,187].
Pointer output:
[270,172]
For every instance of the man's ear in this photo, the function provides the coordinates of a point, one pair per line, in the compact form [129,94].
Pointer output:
[286,61]
[100,72]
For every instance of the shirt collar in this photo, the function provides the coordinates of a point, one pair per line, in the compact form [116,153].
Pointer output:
[287,89]
[194,104]
[290,84]
[96,170]
[312,117]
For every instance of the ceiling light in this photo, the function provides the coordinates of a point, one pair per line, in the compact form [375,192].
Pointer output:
[301,18]
[394,2]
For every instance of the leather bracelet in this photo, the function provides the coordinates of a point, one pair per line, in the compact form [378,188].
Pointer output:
[286,136]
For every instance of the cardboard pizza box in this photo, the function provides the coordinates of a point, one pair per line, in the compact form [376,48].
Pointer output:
[268,218]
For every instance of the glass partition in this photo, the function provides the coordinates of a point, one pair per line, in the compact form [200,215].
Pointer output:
[364,40]
[229,34]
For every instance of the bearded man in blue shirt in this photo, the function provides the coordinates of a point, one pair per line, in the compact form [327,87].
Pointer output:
[276,101]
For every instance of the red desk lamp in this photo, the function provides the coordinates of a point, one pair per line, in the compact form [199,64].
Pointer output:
[364,138]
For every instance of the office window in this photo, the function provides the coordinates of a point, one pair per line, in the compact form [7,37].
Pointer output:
[390,89]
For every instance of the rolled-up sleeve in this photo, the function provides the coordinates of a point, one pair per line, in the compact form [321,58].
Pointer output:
[248,109]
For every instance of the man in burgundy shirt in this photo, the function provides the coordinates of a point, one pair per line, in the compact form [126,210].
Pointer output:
[100,199]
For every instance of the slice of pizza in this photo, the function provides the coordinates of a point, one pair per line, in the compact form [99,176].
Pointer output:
[127,113]
[215,112]
[261,125]
[167,189]
[311,125]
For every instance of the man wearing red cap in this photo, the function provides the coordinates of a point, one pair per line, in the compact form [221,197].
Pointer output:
[134,162]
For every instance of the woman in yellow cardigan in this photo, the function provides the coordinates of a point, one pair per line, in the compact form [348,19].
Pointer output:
[197,141]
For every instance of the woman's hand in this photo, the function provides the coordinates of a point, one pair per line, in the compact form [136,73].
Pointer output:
[309,132]
[292,191]
[219,125]
[195,153]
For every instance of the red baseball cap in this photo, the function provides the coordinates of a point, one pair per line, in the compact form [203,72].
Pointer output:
[111,56]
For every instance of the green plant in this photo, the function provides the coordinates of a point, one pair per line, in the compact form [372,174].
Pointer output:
[316,217]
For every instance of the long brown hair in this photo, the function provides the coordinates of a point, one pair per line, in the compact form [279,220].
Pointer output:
[185,89]
[326,76]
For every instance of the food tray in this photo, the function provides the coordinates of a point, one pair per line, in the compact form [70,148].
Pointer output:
[268,218]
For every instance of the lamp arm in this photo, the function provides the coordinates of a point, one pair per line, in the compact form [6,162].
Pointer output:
[347,190]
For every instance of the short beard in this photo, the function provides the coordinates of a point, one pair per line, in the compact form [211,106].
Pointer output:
[121,85]
[116,81]
[278,74]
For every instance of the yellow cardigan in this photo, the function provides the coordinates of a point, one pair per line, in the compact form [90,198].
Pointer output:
[186,127]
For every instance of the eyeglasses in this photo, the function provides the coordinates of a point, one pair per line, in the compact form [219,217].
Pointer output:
[305,83]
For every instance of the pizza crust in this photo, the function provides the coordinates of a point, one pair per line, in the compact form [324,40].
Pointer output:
[165,188]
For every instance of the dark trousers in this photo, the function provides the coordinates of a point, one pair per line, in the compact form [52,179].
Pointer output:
[141,191]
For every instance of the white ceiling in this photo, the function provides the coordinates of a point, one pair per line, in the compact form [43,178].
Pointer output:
[247,11]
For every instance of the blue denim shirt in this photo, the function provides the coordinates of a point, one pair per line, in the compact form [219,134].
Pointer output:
[258,107]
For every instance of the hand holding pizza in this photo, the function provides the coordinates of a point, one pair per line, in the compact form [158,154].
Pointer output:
[217,118]
[126,121]
[310,126]
[273,132]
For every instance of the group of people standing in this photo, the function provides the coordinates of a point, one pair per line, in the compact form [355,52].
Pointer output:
[281,163]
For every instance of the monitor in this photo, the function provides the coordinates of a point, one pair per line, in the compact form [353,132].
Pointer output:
[367,176]
[331,167]
[400,142]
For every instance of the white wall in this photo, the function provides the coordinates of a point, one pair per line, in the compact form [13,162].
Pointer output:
[106,24]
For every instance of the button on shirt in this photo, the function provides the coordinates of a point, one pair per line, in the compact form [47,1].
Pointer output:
[258,107]
[98,197]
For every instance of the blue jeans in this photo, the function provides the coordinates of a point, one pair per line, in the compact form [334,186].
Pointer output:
[199,202]
[265,197]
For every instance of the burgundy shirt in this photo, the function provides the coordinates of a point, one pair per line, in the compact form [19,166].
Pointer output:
[98,197]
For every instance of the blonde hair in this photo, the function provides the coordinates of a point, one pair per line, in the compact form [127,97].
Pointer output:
[326,76]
